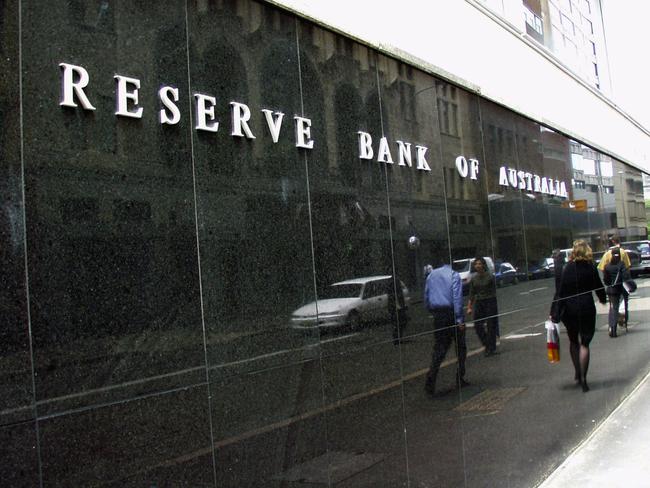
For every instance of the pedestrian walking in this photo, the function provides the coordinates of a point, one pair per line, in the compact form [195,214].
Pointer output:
[483,305]
[443,297]
[615,242]
[576,307]
[614,275]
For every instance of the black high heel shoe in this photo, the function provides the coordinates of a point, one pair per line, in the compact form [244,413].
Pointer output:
[585,386]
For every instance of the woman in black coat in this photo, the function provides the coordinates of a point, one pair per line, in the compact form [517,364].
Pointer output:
[577,309]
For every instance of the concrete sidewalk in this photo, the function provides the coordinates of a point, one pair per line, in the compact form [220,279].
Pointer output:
[617,454]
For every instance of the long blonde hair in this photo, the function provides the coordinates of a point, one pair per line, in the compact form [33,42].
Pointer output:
[582,251]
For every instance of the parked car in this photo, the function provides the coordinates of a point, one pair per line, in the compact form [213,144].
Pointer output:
[465,268]
[544,268]
[505,274]
[350,303]
[643,248]
[636,267]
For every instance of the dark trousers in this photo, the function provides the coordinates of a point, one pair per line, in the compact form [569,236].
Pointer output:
[486,317]
[446,330]
[614,302]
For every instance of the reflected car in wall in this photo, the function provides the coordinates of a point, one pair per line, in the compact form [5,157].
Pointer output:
[643,249]
[506,274]
[544,268]
[350,304]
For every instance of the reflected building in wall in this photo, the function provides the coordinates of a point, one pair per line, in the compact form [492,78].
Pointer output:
[155,272]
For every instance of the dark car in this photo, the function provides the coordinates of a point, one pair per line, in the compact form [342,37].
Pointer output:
[643,248]
[505,274]
[541,269]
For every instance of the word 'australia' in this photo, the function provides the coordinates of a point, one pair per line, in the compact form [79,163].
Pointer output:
[523,180]
[404,153]
[76,79]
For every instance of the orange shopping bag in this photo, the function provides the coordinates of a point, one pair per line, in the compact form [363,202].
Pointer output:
[552,341]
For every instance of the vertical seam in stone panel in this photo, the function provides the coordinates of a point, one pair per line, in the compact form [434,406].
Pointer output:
[487,182]
[444,194]
[395,285]
[198,245]
[311,243]
[27,300]
[521,202]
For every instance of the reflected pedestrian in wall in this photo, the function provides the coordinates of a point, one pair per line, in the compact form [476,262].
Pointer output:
[443,297]
[558,267]
[577,309]
[397,309]
[614,275]
[483,304]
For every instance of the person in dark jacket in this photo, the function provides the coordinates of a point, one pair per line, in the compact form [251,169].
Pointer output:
[397,309]
[483,303]
[615,274]
[558,267]
[443,297]
[577,309]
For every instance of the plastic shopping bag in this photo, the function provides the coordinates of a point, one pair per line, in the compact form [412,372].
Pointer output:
[552,341]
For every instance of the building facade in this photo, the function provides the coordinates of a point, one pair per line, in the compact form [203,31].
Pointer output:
[181,179]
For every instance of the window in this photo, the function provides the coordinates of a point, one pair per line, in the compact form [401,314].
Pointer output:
[593,47]
[407,100]
[131,211]
[596,70]
[533,20]
[79,210]
[448,109]
[555,13]
[593,188]
[568,24]
[608,189]
[579,184]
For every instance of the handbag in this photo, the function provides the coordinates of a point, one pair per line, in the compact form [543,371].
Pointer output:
[630,286]
[552,341]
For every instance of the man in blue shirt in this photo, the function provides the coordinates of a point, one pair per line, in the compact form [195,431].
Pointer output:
[443,297]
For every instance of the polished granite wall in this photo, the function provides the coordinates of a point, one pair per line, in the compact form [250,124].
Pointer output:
[151,270]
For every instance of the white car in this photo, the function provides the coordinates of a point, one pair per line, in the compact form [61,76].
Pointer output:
[349,303]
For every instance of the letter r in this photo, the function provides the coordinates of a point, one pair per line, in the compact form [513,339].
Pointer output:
[70,87]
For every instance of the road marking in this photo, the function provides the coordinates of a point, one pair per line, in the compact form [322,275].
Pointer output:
[522,336]
[334,339]
[533,290]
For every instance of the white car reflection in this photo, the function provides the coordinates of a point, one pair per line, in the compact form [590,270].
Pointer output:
[350,303]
